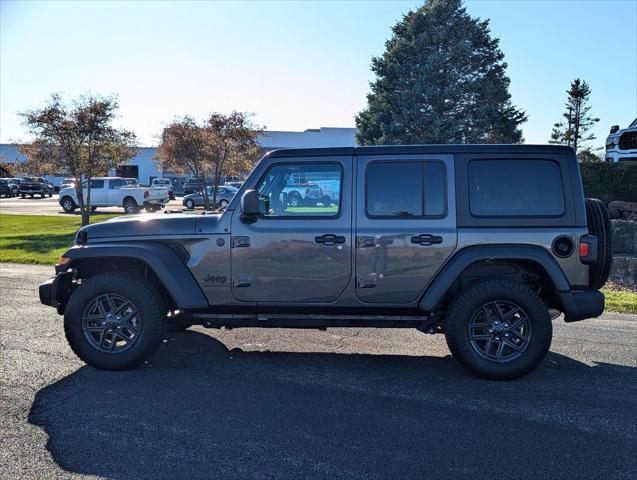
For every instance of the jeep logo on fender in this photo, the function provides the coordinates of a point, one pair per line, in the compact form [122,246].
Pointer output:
[221,280]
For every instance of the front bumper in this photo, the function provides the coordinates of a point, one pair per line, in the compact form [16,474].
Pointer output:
[55,291]
[620,155]
[582,304]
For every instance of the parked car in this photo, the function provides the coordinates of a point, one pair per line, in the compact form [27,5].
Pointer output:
[5,188]
[115,192]
[224,195]
[193,186]
[302,194]
[35,186]
[14,184]
[67,183]
[621,145]
[164,183]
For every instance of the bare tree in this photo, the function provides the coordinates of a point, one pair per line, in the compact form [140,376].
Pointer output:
[78,140]
[222,145]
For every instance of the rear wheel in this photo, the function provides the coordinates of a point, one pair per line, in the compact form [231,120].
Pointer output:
[115,321]
[130,206]
[498,329]
[223,203]
[598,222]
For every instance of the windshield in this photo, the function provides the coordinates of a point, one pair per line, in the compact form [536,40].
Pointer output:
[633,124]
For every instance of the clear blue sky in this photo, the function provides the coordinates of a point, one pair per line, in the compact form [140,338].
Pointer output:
[296,65]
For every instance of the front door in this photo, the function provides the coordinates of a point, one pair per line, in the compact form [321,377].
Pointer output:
[405,225]
[299,249]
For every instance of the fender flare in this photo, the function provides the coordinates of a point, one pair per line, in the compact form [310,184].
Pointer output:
[445,277]
[163,260]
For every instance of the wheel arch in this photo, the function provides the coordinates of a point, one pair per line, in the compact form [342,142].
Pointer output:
[532,264]
[158,262]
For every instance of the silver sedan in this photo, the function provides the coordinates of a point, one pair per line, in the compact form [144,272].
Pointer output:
[224,195]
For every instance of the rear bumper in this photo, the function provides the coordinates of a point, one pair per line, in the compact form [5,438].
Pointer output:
[582,304]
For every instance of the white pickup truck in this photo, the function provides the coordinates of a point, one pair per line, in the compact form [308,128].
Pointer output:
[115,192]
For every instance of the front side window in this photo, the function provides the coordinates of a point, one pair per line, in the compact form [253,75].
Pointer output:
[405,189]
[301,190]
[97,183]
[515,188]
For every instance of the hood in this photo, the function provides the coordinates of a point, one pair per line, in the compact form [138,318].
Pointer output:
[150,225]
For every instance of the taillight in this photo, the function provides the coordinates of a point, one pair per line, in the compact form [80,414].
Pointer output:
[588,249]
[146,194]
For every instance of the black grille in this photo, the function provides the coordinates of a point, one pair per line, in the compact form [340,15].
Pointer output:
[628,141]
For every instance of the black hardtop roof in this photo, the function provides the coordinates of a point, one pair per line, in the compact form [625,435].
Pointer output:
[416,149]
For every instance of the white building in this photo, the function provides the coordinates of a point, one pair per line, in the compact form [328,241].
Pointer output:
[145,167]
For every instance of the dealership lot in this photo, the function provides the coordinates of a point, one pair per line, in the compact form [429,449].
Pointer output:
[258,403]
[50,206]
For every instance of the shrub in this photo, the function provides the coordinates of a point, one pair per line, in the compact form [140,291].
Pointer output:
[610,181]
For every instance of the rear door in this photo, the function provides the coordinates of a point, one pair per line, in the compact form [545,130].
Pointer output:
[295,253]
[405,224]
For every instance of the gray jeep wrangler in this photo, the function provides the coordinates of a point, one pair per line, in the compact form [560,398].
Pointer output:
[484,243]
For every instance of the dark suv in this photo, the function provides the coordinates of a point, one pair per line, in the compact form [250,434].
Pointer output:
[483,243]
[35,186]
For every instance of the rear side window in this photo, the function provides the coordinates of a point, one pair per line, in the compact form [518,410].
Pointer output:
[405,189]
[515,188]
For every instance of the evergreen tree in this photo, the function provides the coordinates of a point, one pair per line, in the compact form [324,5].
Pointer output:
[441,80]
[573,131]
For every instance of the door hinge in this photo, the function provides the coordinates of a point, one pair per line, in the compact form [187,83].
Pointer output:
[364,242]
[241,280]
[367,282]
[240,242]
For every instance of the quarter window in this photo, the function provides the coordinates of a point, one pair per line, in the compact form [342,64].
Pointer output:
[302,190]
[515,188]
[405,189]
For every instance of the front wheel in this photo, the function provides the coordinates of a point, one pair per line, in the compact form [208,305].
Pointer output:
[190,204]
[115,321]
[223,204]
[68,205]
[498,329]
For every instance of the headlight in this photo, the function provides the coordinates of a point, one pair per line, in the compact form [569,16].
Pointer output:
[611,142]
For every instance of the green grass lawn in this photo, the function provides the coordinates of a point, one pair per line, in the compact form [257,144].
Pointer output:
[620,300]
[41,239]
[38,239]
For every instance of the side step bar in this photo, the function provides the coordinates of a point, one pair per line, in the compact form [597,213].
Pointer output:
[211,320]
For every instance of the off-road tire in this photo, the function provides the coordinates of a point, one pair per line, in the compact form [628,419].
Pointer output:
[598,222]
[470,300]
[148,303]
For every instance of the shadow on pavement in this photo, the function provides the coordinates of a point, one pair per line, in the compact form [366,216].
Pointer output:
[201,411]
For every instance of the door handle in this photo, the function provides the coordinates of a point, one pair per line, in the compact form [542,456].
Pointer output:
[329,239]
[426,239]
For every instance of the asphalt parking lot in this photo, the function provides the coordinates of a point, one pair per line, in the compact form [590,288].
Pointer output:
[50,206]
[345,403]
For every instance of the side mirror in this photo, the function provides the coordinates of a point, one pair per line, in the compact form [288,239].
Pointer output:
[614,129]
[249,206]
